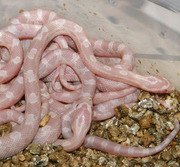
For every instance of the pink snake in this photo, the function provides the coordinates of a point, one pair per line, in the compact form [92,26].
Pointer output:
[72,78]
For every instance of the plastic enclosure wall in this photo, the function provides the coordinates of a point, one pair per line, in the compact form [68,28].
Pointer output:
[152,32]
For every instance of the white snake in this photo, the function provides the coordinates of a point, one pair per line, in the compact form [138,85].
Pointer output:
[39,47]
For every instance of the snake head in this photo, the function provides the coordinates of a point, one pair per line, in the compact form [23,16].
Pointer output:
[157,84]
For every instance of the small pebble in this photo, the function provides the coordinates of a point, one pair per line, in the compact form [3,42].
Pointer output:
[44,120]
[55,156]
[134,129]
[178,116]
[44,160]
[21,157]
[47,148]
[5,129]
[114,131]
[15,160]
[148,138]
[176,152]
[102,160]
[137,115]
[173,164]
[146,159]
[146,103]
[58,148]
[167,156]
[160,163]
[144,95]
[34,148]
[148,164]
[121,111]
[28,156]
[145,122]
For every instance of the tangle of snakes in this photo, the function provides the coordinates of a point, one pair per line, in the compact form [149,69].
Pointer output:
[73,78]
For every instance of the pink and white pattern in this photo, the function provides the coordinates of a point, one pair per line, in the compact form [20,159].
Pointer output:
[74,79]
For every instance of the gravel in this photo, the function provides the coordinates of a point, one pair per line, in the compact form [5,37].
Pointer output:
[145,125]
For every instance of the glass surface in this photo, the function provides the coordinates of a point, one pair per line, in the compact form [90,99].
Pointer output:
[152,32]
